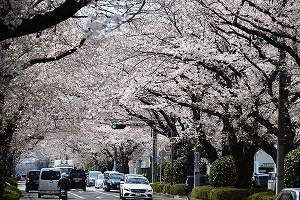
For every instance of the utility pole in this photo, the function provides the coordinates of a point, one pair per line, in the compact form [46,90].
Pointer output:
[154,158]
[281,123]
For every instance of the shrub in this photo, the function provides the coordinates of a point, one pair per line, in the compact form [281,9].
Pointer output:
[167,188]
[167,172]
[178,189]
[12,181]
[222,172]
[180,169]
[292,168]
[158,187]
[11,193]
[270,195]
[201,192]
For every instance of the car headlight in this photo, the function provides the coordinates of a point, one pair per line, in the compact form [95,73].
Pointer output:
[149,190]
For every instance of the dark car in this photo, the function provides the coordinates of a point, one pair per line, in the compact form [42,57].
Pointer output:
[112,180]
[77,179]
[189,183]
[32,180]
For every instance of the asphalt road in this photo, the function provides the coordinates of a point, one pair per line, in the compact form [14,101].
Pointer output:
[90,194]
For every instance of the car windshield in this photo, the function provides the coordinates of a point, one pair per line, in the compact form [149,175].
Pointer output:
[50,175]
[116,176]
[34,175]
[77,174]
[93,175]
[137,180]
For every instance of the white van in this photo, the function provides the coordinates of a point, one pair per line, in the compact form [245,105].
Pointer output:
[48,181]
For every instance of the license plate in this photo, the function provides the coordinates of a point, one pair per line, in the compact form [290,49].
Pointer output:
[50,192]
[77,181]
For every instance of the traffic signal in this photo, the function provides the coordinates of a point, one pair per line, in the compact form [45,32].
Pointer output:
[118,126]
[39,137]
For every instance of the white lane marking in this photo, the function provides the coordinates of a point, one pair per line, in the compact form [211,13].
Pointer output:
[76,195]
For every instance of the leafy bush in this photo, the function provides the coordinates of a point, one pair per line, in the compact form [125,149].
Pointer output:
[292,168]
[262,196]
[12,181]
[178,189]
[222,172]
[11,193]
[180,169]
[167,188]
[167,172]
[229,193]
[158,186]
[201,192]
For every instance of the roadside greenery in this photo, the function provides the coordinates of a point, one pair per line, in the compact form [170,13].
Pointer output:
[11,192]
[223,172]
[292,168]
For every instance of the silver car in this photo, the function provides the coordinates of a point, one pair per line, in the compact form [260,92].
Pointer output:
[289,194]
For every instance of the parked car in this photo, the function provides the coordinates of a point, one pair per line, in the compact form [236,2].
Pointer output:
[189,183]
[91,178]
[289,194]
[32,180]
[260,180]
[112,180]
[135,187]
[48,180]
[99,181]
[77,179]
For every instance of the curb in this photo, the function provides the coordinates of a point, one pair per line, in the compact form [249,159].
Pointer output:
[170,196]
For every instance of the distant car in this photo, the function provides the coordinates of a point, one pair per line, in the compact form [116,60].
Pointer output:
[91,178]
[77,179]
[289,194]
[135,187]
[23,177]
[112,180]
[32,180]
[189,183]
[260,180]
[99,181]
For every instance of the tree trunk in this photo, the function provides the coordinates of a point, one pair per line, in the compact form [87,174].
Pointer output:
[244,168]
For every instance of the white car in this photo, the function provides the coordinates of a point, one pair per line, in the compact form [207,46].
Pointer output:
[135,187]
[99,181]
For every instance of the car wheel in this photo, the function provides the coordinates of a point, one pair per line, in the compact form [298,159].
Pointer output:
[39,196]
[26,190]
[123,198]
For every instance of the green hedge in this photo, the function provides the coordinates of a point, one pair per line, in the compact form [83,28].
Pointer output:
[167,188]
[158,187]
[262,196]
[11,193]
[208,192]
[178,189]
[12,181]
[219,193]
[201,192]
